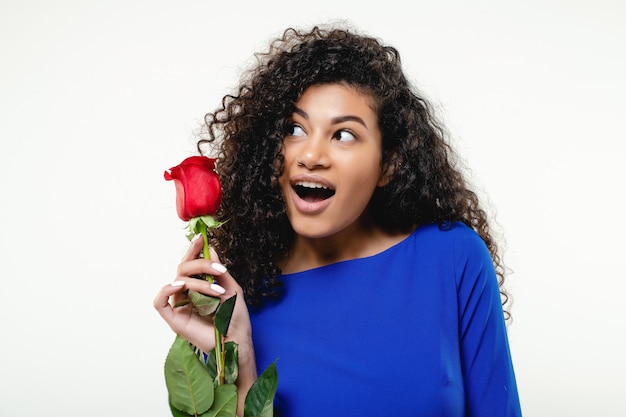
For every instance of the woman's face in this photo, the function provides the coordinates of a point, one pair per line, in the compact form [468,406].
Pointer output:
[332,162]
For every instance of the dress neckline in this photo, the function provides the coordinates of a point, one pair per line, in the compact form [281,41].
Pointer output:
[384,252]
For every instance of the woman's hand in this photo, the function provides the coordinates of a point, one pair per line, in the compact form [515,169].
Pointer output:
[199,330]
[187,323]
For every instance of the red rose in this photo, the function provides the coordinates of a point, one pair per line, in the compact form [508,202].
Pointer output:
[198,190]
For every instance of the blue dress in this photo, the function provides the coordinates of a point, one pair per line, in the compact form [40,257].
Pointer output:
[416,330]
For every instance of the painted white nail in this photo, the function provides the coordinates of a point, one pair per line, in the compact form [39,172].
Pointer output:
[196,237]
[177,283]
[218,267]
[217,288]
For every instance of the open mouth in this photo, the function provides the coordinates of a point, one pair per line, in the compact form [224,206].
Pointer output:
[312,191]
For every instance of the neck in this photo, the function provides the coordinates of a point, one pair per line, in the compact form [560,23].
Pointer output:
[308,253]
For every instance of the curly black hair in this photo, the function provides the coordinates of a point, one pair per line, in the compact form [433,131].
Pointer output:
[249,128]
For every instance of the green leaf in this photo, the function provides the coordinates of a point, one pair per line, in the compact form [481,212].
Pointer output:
[205,304]
[188,384]
[225,404]
[260,399]
[177,413]
[193,226]
[231,365]
[211,366]
[210,222]
[197,224]
[182,303]
[224,313]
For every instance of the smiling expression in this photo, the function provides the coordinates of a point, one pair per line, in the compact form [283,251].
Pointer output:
[332,161]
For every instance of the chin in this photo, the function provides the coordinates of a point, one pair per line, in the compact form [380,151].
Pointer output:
[310,230]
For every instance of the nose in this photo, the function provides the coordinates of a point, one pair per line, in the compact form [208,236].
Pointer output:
[314,153]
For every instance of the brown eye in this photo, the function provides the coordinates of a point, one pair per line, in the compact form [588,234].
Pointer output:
[295,130]
[344,136]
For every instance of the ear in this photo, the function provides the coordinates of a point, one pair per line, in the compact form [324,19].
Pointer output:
[389,169]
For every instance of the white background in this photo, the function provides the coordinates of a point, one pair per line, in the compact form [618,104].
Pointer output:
[98,98]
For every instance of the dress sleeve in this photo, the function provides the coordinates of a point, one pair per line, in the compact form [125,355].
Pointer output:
[489,379]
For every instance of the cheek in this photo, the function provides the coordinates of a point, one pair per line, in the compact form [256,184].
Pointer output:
[282,168]
[365,170]
[288,153]
[283,183]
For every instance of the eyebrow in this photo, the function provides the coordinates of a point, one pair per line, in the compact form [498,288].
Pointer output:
[335,120]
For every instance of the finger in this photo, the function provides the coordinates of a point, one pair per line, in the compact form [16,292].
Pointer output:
[162,300]
[229,283]
[202,286]
[194,249]
[199,267]
[190,270]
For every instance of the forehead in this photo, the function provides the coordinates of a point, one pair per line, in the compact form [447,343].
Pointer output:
[341,98]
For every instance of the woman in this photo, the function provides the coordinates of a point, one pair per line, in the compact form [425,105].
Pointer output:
[368,266]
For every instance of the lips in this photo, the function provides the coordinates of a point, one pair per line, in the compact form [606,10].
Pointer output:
[311,194]
[312,191]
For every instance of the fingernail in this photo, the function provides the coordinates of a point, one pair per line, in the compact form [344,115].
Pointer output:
[177,283]
[196,237]
[217,288]
[218,267]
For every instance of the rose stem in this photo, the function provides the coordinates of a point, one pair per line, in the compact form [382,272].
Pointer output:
[219,351]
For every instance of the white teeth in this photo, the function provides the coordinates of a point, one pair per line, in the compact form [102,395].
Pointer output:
[309,184]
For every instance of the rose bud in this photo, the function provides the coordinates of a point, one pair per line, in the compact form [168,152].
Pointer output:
[198,191]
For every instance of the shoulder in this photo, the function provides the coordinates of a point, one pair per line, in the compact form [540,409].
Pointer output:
[449,235]
[453,245]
